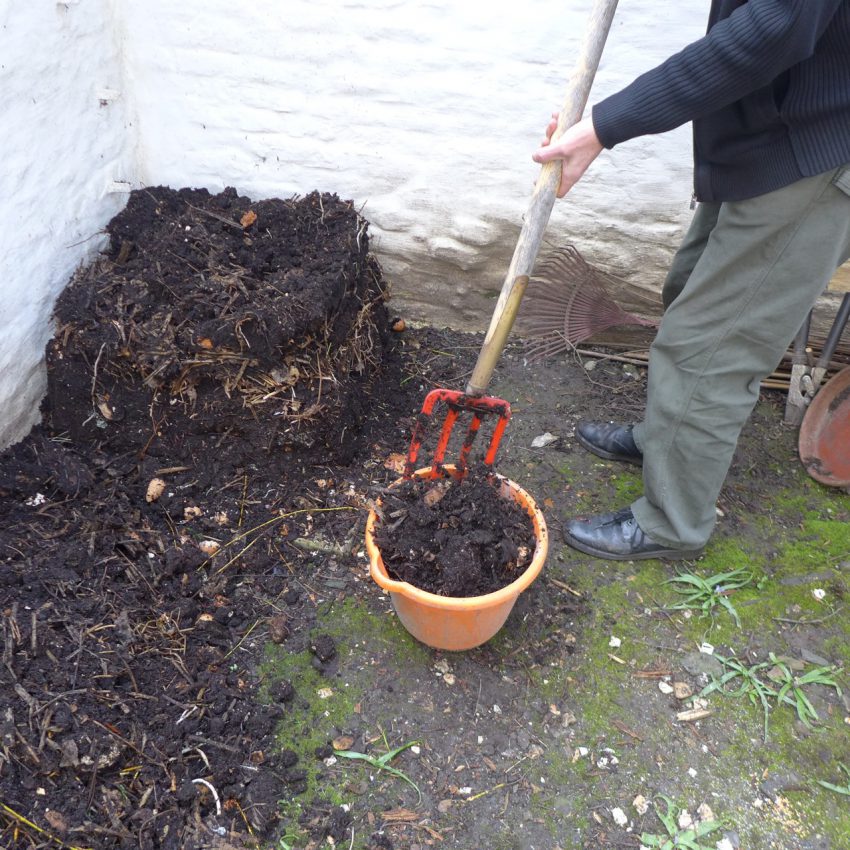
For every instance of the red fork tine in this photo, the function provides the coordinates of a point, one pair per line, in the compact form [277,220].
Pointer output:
[478,406]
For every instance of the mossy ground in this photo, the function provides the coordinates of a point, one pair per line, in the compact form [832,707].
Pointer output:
[533,739]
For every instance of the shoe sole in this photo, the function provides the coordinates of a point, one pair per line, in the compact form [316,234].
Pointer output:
[635,461]
[660,555]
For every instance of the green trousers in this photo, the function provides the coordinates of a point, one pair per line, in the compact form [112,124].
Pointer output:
[740,287]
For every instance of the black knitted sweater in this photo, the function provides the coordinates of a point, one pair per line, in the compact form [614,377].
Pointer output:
[767,89]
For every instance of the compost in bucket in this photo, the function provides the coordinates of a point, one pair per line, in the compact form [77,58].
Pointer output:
[454,538]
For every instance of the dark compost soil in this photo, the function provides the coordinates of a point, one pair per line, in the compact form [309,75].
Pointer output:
[209,377]
[453,538]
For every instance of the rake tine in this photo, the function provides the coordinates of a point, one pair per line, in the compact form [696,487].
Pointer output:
[568,303]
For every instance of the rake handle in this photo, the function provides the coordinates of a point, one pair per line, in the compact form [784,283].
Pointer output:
[542,200]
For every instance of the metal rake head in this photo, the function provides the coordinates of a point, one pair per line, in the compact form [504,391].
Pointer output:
[566,303]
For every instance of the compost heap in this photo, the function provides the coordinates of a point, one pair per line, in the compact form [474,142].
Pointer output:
[218,353]
[209,313]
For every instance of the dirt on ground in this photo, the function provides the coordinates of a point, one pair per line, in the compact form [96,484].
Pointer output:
[194,655]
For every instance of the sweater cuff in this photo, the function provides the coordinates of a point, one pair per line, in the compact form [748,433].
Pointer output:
[612,120]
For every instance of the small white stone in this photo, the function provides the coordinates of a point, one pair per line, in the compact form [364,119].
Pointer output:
[665,687]
[416,749]
[705,813]
[544,440]
[692,773]
[724,844]
[641,804]
[819,594]
[706,648]
[685,820]
[615,642]
[496,709]
[619,817]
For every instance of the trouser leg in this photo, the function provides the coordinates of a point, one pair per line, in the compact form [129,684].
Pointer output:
[684,262]
[696,238]
[762,267]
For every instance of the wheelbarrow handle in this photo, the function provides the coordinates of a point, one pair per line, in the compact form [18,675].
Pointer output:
[542,200]
[835,332]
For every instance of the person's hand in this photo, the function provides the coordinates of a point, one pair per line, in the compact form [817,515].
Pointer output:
[576,148]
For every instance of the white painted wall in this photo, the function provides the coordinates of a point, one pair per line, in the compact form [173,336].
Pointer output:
[424,113]
[64,139]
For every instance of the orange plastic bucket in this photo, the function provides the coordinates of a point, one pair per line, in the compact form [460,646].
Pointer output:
[452,622]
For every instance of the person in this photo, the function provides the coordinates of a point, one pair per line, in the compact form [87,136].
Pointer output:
[768,91]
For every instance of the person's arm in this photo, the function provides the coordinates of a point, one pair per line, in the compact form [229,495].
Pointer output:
[740,54]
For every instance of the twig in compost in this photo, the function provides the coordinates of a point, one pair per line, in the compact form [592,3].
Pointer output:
[220,218]
[20,819]
[565,587]
[62,696]
[242,639]
[219,744]
[265,524]
[94,376]
[242,501]
[212,790]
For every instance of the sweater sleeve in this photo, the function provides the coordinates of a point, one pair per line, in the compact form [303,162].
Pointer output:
[739,54]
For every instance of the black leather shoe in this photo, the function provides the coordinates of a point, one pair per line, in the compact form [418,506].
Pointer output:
[609,440]
[618,536]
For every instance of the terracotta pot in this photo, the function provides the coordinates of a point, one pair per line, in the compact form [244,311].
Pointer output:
[825,433]
[452,622]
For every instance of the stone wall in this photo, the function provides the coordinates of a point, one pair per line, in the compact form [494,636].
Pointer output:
[66,166]
[425,114]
